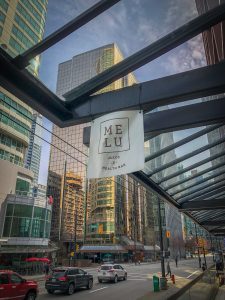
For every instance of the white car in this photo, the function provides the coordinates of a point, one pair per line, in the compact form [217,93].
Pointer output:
[111,272]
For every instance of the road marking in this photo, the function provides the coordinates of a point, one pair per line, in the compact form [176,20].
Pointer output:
[139,274]
[105,287]
[192,274]
[137,279]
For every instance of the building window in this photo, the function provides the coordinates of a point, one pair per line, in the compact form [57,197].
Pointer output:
[2,17]
[14,106]
[27,29]
[14,123]
[5,155]
[4,5]
[32,22]
[20,221]
[22,186]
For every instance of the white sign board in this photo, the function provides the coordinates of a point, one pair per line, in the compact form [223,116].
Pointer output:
[116,144]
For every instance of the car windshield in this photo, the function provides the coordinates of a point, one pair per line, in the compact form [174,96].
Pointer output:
[106,267]
[58,273]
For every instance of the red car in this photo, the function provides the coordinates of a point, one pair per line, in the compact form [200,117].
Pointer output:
[14,287]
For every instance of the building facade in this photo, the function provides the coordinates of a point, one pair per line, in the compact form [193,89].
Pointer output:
[33,156]
[21,26]
[99,195]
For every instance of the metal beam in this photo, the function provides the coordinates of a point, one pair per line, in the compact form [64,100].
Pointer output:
[200,163]
[197,183]
[181,142]
[212,214]
[189,195]
[213,193]
[28,88]
[31,91]
[214,223]
[194,176]
[200,114]
[151,52]
[201,192]
[217,230]
[205,81]
[218,234]
[186,156]
[22,60]
[211,204]
[150,184]
[185,117]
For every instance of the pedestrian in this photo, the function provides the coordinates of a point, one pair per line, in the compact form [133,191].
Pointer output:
[176,260]
[168,269]
[46,269]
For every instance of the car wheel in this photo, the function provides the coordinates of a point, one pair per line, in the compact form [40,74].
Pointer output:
[125,277]
[99,280]
[71,289]
[90,284]
[50,291]
[116,279]
[31,296]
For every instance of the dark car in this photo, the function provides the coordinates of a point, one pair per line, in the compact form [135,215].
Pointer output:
[68,279]
[12,286]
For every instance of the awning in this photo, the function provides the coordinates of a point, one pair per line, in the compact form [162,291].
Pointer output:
[103,249]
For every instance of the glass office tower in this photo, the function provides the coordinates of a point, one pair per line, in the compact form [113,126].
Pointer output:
[71,154]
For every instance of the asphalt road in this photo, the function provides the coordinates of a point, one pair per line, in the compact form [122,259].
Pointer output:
[139,282]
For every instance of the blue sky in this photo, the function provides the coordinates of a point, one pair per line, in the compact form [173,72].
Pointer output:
[132,25]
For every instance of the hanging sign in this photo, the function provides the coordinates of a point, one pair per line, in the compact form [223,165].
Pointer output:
[116,144]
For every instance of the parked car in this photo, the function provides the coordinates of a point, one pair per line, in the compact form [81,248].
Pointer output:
[13,286]
[111,272]
[68,279]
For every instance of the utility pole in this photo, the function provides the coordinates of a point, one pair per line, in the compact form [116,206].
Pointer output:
[196,235]
[75,237]
[163,279]
[85,208]
[63,186]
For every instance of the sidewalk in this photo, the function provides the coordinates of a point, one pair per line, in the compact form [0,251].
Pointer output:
[172,289]
[39,277]
[221,293]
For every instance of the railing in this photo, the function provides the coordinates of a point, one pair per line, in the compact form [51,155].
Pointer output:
[203,287]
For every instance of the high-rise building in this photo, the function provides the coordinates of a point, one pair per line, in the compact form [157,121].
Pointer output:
[73,153]
[21,26]
[33,157]
[24,220]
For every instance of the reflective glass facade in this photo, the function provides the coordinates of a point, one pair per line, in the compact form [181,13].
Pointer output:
[100,196]
[26,221]
[21,26]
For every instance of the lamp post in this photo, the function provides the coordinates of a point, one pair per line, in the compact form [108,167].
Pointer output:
[163,278]
[196,235]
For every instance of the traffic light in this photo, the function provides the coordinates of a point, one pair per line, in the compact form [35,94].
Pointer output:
[100,228]
[168,234]
[77,247]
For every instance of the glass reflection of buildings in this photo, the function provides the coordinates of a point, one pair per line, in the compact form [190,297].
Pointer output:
[101,195]
[118,209]
[171,217]
[213,40]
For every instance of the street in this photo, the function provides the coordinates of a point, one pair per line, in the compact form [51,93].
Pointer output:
[139,281]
